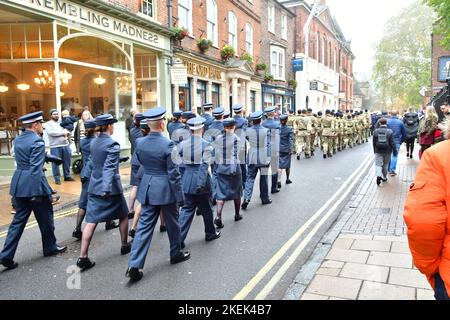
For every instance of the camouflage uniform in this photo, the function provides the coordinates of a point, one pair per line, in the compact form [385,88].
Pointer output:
[312,137]
[348,133]
[303,127]
[328,131]
[291,123]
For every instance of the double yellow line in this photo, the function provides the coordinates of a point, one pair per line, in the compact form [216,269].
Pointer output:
[346,187]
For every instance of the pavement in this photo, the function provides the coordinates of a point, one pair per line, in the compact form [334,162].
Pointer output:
[365,255]
[256,258]
[68,191]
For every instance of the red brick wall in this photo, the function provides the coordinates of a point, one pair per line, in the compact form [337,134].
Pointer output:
[437,52]
[134,7]
[223,7]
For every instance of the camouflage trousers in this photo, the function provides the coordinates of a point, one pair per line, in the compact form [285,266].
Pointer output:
[312,140]
[348,141]
[303,143]
[327,145]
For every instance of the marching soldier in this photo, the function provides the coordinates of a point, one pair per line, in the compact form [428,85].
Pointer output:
[328,131]
[105,194]
[160,189]
[135,133]
[175,124]
[336,132]
[303,128]
[207,115]
[348,132]
[228,172]
[274,135]
[286,147]
[30,191]
[241,127]
[258,159]
[341,131]
[313,132]
[319,129]
[291,123]
[196,155]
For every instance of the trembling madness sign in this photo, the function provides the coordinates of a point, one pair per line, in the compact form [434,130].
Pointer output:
[84,16]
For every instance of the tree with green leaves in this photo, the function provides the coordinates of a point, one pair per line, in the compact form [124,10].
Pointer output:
[442,24]
[403,58]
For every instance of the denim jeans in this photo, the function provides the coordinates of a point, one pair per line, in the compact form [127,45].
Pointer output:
[393,165]
[65,154]
[440,292]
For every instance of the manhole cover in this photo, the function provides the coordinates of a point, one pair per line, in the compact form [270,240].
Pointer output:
[381,211]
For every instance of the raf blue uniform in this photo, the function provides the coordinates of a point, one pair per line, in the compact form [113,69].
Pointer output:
[160,189]
[286,145]
[258,159]
[274,138]
[176,124]
[31,192]
[195,154]
[85,147]
[105,200]
[208,118]
[135,131]
[241,127]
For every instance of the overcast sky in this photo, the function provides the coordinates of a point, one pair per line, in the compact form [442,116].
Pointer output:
[362,21]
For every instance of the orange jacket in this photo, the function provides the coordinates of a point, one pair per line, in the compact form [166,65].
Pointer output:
[427,214]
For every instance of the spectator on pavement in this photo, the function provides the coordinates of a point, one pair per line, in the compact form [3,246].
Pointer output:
[411,122]
[80,130]
[427,128]
[426,216]
[383,147]
[399,132]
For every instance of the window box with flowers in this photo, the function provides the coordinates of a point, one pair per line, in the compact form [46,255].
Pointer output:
[227,52]
[261,68]
[268,78]
[247,57]
[204,44]
[180,33]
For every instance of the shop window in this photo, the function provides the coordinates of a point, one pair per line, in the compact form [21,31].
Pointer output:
[268,100]
[287,105]
[201,95]
[215,94]
[184,98]
[146,71]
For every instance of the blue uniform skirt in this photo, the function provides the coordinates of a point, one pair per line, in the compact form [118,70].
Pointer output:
[285,160]
[102,210]
[228,187]
[82,203]
[134,179]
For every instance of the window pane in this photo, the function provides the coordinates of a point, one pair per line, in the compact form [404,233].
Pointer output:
[32,32]
[4,33]
[5,52]
[33,49]
[18,32]
[46,31]
[47,49]
[61,31]
[18,49]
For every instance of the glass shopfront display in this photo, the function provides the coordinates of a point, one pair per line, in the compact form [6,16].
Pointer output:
[215,94]
[201,95]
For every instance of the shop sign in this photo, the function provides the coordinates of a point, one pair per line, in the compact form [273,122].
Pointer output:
[314,85]
[178,75]
[444,68]
[202,70]
[81,15]
[297,65]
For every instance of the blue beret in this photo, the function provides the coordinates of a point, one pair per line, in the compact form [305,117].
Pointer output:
[229,122]
[139,116]
[208,106]
[32,117]
[256,115]
[196,123]
[90,124]
[270,109]
[105,119]
[284,117]
[155,114]
[237,108]
[188,115]
[218,111]
[177,113]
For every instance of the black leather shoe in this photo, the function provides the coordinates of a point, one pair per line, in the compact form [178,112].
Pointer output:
[134,274]
[218,223]
[198,213]
[298,157]
[132,233]
[9,264]
[238,217]
[275,191]
[56,251]
[131,215]
[69,179]
[266,202]
[111,225]
[77,234]
[180,257]
[182,245]
[279,185]
[288,182]
[245,204]
[324,156]
[378,181]
[216,236]
[85,264]
[125,249]
[162,228]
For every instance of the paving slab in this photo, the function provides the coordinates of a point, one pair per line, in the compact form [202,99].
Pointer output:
[390,259]
[371,245]
[381,291]
[400,247]
[335,286]
[365,272]
[423,294]
[348,255]
[408,278]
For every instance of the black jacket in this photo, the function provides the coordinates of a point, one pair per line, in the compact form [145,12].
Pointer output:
[411,121]
[390,138]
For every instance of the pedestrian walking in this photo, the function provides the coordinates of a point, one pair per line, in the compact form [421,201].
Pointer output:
[399,133]
[427,128]
[383,146]
[30,191]
[59,146]
[286,148]
[411,122]
[258,160]
[228,184]
[426,216]
[105,194]
[196,155]
[160,189]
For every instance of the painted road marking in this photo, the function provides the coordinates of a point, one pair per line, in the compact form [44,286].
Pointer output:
[248,288]
[292,258]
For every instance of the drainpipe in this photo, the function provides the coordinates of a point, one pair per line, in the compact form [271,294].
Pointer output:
[169,10]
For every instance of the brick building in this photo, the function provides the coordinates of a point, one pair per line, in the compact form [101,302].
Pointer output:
[439,63]
[277,50]
[326,57]
[211,78]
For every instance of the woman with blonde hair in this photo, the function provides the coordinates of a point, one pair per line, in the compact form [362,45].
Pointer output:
[427,128]
[80,129]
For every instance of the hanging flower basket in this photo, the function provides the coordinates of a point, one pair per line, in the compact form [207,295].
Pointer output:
[180,33]
[247,57]
[261,67]
[204,44]
[227,52]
